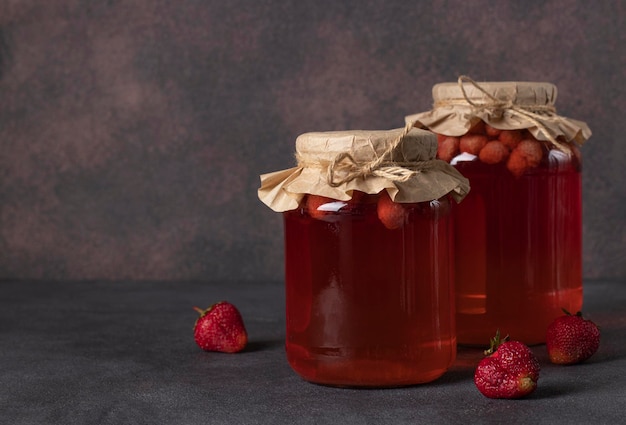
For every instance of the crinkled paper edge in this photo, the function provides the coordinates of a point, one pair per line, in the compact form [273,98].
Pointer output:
[456,120]
[283,190]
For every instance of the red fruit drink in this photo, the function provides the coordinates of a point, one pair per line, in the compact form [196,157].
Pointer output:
[518,234]
[368,305]
[518,248]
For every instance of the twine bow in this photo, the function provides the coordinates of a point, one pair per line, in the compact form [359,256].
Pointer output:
[496,107]
[380,167]
[344,168]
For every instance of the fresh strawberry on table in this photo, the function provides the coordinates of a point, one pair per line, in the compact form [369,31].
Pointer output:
[220,328]
[572,339]
[510,370]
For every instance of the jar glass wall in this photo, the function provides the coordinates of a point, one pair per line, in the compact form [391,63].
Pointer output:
[369,290]
[518,247]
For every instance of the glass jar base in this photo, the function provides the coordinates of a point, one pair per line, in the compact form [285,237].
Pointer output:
[360,372]
[526,322]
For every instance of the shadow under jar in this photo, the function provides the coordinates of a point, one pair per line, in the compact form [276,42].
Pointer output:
[518,234]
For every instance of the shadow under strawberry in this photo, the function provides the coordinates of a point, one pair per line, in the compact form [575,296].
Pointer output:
[261,345]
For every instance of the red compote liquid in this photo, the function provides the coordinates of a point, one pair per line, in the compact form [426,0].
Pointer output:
[518,244]
[368,305]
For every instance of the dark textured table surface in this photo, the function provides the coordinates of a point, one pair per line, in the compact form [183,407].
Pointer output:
[123,353]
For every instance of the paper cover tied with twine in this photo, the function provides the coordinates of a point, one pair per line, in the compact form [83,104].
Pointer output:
[502,105]
[334,164]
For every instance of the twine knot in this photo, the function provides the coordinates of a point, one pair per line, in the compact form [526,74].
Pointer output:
[382,166]
[497,107]
[344,168]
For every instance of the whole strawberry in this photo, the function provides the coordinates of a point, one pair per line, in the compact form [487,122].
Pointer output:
[510,370]
[393,215]
[572,339]
[220,328]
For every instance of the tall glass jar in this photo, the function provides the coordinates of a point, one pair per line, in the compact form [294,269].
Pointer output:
[518,234]
[368,270]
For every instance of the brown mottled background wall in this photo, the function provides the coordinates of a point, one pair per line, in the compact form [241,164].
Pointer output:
[132,133]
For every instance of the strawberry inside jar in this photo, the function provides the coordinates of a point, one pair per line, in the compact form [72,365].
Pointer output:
[518,150]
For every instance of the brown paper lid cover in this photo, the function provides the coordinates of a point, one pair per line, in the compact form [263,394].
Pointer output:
[334,164]
[504,105]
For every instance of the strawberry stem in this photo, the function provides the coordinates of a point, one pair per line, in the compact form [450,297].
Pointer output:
[495,342]
[579,314]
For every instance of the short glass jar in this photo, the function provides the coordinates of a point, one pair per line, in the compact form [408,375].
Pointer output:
[369,281]
[518,234]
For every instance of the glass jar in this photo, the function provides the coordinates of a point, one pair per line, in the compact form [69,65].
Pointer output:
[518,234]
[369,295]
